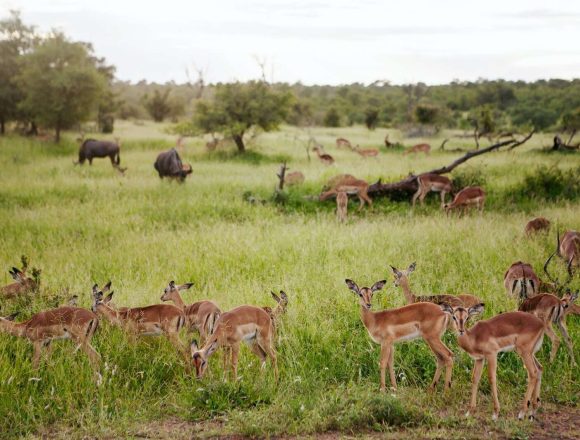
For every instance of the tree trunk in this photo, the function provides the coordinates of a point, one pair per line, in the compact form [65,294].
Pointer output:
[2,126]
[57,134]
[239,140]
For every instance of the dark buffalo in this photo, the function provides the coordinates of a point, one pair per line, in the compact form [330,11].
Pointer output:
[168,164]
[92,148]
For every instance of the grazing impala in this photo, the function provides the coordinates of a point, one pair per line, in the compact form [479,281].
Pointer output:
[350,185]
[432,182]
[520,281]
[155,320]
[402,279]
[419,148]
[60,323]
[326,159]
[472,195]
[421,320]
[249,324]
[368,152]
[555,285]
[341,206]
[569,248]
[518,331]
[280,308]
[23,283]
[536,225]
[342,142]
[551,309]
[201,316]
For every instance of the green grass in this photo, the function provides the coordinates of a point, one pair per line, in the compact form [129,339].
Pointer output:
[83,225]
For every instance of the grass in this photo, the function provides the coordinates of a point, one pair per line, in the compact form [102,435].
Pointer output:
[83,225]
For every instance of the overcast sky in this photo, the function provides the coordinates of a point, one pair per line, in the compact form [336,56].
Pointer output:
[320,41]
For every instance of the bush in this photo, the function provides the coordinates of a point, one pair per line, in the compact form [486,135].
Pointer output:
[551,183]
[468,176]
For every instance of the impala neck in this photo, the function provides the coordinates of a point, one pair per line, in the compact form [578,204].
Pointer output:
[13,328]
[178,301]
[367,317]
[404,282]
[110,314]
[465,341]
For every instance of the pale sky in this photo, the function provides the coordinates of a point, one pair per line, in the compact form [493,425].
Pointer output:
[320,41]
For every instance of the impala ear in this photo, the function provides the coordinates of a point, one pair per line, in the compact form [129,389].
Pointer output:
[446,308]
[276,297]
[184,286]
[172,284]
[476,309]
[412,267]
[95,290]
[107,287]
[352,286]
[213,347]
[397,272]
[108,298]
[378,285]
[11,317]
[16,274]
[284,296]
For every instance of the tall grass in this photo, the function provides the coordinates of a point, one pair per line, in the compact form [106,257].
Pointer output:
[83,225]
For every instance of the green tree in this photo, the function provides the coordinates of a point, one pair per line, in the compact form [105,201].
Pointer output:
[15,40]
[332,118]
[371,118]
[426,113]
[238,107]
[61,83]
[158,106]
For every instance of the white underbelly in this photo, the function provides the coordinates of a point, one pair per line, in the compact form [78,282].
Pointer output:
[507,348]
[409,336]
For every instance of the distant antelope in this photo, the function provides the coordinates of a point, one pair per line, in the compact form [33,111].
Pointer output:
[369,152]
[432,182]
[201,316]
[388,143]
[537,225]
[551,309]
[520,281]
[60,323]
[341,206]
[402,279]
[294,178]
[419,148]
[342,142]
[326,159]
[472,195]
[350,185]
[387,327]
[569,248]
[517,331]
[249,324]
[23,283]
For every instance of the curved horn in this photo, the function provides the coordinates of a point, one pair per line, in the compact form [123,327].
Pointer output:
[546,269]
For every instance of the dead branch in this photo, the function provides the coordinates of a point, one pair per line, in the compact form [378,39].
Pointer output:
[281,175]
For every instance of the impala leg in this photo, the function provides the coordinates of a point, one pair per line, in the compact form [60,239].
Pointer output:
[36,354]
[392,368]
[477,370]
[258,351]
[532,370]
[267,347]
[48,349]
[174,339]
[443,199]
[536,394]
[554,339]
[383,364]
[492,374]
[226,355]
[566,336]
[415,196]
[444,357]
[235,354]
[365,198]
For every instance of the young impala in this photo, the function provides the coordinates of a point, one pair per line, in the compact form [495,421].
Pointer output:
[536,225]
[472,195]
[155,320]
[23,283]
[402,279]
[519,331]
[551,309]
[432,182]
[201,316]
[249,324]
[60,323]
[350,185]
[419,148]
[387,327]
[520,281]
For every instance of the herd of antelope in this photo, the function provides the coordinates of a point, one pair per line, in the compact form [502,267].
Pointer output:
[541,304]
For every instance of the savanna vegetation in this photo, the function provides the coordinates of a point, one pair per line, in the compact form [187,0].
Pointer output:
[226,232]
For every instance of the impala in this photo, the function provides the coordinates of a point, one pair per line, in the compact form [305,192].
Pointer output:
[421,320]
[342,142]
[555,286]
[519,331]
[419,148]
[368,152]
[280,308]
[201,316]
[326,159]
[472,195]
[23,283]
[341,206]
[536,225]
[294,178]
[520,281]
[569,248]
[249,324]
[402,279]
[154,320]
[551,309]
[350,185]
[60,323]
[432,182]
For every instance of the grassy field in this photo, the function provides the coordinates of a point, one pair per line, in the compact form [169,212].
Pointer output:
[83,225]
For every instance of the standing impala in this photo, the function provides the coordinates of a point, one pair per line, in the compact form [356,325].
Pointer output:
[155,320]
[326,159]
[60,323]
[342,142]
[23,283]
[419,148]
[249,324]
[520,281]
[432,182]
[350,185]
[201,316]
[519,331]
[472,195]
[402,279]
[551,309]
[387,327]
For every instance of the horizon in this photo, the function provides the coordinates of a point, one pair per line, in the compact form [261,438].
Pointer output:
[321,43]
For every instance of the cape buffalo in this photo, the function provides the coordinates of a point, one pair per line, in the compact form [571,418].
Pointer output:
[168,164]
[92,148]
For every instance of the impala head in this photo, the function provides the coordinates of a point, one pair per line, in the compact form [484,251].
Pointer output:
[172,290]
[99,296]
[569,298]
[199,356]
[461,315]
[365,293]
[282,300]
[399,275]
